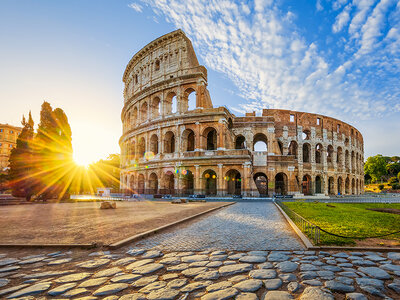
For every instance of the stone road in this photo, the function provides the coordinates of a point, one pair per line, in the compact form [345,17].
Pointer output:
[242,226]
[152,274]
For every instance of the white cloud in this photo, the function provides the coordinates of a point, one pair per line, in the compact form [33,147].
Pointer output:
[136,7]
[319,6]
[342,19]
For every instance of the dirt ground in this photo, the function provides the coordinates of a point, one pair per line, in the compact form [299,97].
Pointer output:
[86,223]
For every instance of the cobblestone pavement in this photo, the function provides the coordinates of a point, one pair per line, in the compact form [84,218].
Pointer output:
[151,274]
[242,226]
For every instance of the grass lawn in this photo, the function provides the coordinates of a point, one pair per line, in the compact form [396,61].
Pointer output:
[349,219]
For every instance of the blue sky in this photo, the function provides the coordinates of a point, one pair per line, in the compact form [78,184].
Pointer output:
[338,58]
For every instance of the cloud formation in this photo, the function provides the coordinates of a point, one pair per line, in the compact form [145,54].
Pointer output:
[259,47]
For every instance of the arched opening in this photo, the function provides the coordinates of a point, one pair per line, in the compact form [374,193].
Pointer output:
[169,142]
[339,186]
[169,183]
[132,184]
[281,184]
[230,123]
[128,121]
[142,147]
[157,65]
[339,157]
[154,144]
[357,187]
[347,186]
[318,185]
[353,163]
[187,182]
[188,141]
[318,153]
[331,186]
[174,105]
[143,112]
[306,185]
[141,184]
[261,181]
[134,116]
[306,135]
[293,148]
[240,142]
[353,187]
[347,161]
[210,182]
[153,184]
[280,145]
[329,154]
[155,107]
[346,142]
[306,153]
[131,151]
[210,135]
[260,143]
[170,103]
[190,98]
[233,182]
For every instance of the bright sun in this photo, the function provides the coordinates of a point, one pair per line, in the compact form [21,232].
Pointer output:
[82,160]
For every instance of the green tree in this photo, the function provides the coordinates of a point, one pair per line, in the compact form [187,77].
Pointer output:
[375,166]
[393,168]
[21,179]
[107,171]
[53,153]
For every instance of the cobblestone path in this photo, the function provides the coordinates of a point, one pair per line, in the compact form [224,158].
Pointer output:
[242,226]
[127,274]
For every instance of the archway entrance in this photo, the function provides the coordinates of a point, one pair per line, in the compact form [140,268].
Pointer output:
[210,182]
[318,185]
[339,186]
[233,182]
[187,182]
[153,184]
[141,184]
[261,181]
[280,184]
[169,183]
[331,186]
[306,185]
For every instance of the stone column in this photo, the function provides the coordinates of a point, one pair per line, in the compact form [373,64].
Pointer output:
[197,141]
[197,187]
[326,184]
[246,180]
[220,181]
[220,138]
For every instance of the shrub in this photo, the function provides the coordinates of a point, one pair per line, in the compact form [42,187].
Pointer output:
[381,186]
[392,180]
[396,186]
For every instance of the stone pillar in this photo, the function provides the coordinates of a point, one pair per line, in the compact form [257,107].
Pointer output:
[326,184]
[221,137]
[197,182]
[197,142]
[246,180]
[220,181]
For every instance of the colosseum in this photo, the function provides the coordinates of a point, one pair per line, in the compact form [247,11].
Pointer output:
[176,142]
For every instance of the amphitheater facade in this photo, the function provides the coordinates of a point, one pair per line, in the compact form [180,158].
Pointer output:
[175,141]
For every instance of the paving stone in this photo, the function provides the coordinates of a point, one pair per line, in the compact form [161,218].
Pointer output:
[236,256]
[252,259]
[370,282]
[348,274]
[277,295]
[169,276]
[31,260]
[61,289]
[110,289]
[170,261]
[308,275]
[293,287]
[218,257]
[390,267]
[262,274]
[312,282]
[373,291]
[198,264]
[136,252]
[31,290]
[246,296]
[179,267]
[355,296]
[375,272]
[331,262]
[195,286]
[9,269]
[340,254]
[250,285]
[210,275]
[8,261]
[272,284]
[218,252]
[327,275]
[126,278]
[113,297]
[152,287]
[390,255]
[59,261]
[92,264]
[108,272]
[152,254]
[124,261]
[287,277]
[134,296]
[219,286]
[177,283]
[345,265]
[214,264]
[237,278]
[278,256]
[375,257]
[234,269]
[338,286]
[4,282]
[266,265]
[13,289]
[192,272]
[194,258]
[75,292]
[163,294]
[308,267]
[144,281]
[147,269]
[258,253]
[331,268]
[93,282]
[365,263]
[287,266]
[395,287]
[73,277]
[314,293]
[221,295]
[344,280]
[229,262]
[48,274]
[139,263]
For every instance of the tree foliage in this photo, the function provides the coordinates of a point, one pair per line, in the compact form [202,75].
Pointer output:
[375,166]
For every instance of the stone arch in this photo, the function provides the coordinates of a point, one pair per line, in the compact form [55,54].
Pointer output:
[233,182]
[347,186]
[187,182]
[209,137]
[331,186]
[353,165]
[339,156]
[153,183]
[293,148]
[141,147]
[169,183]
[319,185]
[280,146]
[329,154]
[143,111]
[340,185]
[169,142]
[281,184]
[189,99]
[347,161]
[353,187]
[188,140]
[154,144]
[240,142]
[318,153]
[170,103]
[261,181]
[260,142]
[141,186]
[131,183]
[306,153]
[128,121]
[306,134]
[131,150]
[155,107]
[134,117]
[306,185]
[209,182]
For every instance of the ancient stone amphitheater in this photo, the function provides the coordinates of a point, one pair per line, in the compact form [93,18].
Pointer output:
[175,141]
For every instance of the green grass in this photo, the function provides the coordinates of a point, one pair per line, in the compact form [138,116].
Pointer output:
[349,219]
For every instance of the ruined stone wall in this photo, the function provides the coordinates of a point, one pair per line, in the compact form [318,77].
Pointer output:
[178,144]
